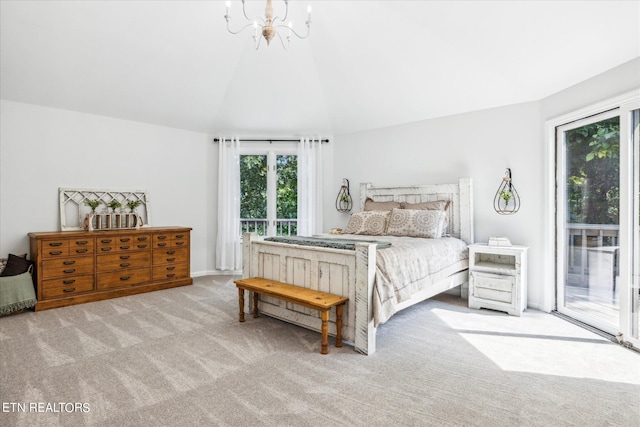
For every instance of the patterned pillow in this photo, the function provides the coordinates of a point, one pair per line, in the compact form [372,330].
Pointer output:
[373,223]
[417,223]
[370,205]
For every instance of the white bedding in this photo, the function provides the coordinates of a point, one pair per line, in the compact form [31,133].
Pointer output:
[410,265]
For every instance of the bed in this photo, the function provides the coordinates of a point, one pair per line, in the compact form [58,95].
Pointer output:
[353,272]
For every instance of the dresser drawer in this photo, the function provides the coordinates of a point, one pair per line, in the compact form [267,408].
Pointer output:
[55,248]
[161,240]
[180,239]
[170,240]
[81,246]
[64,287]
[122,243]
[170,256]
[170,272]
[66,267]
[121,279]
[120,261]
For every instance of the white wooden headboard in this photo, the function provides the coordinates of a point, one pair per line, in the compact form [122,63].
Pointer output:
[460,194]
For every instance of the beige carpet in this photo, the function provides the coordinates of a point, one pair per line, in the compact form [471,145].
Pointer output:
[179,357]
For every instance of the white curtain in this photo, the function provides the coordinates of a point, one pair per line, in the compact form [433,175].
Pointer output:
[309,187]
[229,244]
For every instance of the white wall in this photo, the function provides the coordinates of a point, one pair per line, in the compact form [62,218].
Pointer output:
[42,149]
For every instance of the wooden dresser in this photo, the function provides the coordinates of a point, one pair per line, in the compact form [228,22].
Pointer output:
[74,267]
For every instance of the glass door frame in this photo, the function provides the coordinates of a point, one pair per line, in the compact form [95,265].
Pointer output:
[561,211]
[629,211]
[629,215]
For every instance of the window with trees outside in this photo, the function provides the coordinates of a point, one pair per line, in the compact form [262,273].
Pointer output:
[269,194]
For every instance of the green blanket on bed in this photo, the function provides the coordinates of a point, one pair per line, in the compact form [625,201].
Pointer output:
[324,242]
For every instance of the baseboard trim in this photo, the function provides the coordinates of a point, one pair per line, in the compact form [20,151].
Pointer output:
[216,273]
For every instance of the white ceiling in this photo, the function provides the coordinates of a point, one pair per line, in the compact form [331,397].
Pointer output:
[366,64]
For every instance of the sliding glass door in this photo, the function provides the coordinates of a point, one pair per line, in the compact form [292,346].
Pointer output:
[597,199]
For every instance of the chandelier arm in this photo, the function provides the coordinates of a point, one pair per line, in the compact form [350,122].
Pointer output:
[285,47]
[286,13]
[240,30]
[244,12]
[294,31]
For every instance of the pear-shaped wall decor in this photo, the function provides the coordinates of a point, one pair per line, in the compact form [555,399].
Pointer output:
[506,200]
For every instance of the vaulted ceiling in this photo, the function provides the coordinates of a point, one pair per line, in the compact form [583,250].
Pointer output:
[366,64]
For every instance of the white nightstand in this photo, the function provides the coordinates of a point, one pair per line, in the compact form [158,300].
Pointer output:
[498,278]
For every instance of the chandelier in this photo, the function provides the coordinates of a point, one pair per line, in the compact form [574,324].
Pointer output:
[269,26]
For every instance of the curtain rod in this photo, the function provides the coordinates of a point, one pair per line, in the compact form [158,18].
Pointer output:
[324,141]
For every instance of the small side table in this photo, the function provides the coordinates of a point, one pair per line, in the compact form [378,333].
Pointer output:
[498,278]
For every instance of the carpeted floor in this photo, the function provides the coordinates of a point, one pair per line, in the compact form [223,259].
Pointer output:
[180,357]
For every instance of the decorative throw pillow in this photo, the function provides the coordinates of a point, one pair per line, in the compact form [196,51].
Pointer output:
[373,223]
[436,205]
[416,223]
[16,265]
[370,205]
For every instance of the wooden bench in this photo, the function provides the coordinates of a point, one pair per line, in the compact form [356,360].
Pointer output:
[305,297]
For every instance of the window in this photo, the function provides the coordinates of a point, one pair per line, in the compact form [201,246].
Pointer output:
[269,194]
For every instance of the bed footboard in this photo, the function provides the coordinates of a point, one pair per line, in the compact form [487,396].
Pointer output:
[342,272]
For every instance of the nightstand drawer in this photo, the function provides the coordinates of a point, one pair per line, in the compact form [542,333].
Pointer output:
[492,287]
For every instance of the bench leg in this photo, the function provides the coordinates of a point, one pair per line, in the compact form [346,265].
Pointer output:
[255,304]
[339,325]
[241,303]
[325,331]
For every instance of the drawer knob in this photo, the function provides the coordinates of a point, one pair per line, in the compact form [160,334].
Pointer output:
[68,282]
[55,244]
[124,247]
[69,262]
[125,256]
[69,290]
[142,239]
[171,275]
[106,241]
[162,244]
[179,243]
[171,252]
[71,270]
[81,251]
[125,240]
[106,249]
[170,268]
[162,237]
[125,264]
[55,252]
[142,246]
[82,242]
[124,278]
[171,259]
